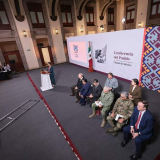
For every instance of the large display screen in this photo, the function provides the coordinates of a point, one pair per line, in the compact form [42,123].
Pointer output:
[78,51]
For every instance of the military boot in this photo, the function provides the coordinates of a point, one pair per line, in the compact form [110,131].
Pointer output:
[103,123]
[110,130]
[115,133]
[114,129]
[92,115]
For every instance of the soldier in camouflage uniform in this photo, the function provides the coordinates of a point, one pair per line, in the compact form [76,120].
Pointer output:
[106,99]
[124,107]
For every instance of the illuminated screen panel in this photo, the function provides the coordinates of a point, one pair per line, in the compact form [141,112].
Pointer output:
[78,51]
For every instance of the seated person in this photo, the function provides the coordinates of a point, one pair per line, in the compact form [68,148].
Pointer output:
[9,71]
[103,102]
[1,68]
[76,88]
[84,92]
[96,92]
[5,67]
[8,68]
[135,92]
[111,82]
[121,112]
[140,127]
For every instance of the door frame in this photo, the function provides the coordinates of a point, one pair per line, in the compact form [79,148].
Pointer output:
[5,55]
[41,55]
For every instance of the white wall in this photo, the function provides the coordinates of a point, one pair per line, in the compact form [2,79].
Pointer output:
[27,43]
[120,15]
[142,13]
[57,39]
[100,22]
[79,23]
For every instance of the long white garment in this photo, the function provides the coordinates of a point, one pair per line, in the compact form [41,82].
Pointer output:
[45,82]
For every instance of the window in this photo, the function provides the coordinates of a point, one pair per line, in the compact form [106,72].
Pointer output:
[90,16]
[110,16]
[66,16]
[4,22]
[155,9]
[36,15]
[130,13]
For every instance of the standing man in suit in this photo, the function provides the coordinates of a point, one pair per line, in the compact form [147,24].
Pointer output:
[141,128]
[135,91]
[76,88]
[84,92]
[96,93]
[111,82]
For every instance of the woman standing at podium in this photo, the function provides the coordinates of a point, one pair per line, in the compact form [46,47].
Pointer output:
[51,71]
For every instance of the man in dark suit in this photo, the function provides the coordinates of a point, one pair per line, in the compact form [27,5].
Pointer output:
[84,92]
[76,88]
[141,128]
[96,93]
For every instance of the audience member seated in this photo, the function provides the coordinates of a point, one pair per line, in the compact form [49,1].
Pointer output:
[104,102]
[84,92]
[96,93]
[135,92]
[8,68]
[141,128]
[111,82]
[1,68]
[121,112]
[9,71]
[5,67]
[76,88]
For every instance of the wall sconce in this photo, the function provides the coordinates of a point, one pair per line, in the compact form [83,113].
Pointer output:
[124,20]
[102,28]
[81,29]
[24,33]
[139,24]
[56,31]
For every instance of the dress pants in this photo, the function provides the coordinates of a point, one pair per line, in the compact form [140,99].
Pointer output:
[90,101]
[75,92]
[52,79]
[138,140]
[103,112]
[82,100]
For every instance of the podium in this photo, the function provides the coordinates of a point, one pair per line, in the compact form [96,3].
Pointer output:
[45,81]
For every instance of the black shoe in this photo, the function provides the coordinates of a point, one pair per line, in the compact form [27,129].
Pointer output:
[123,144]
[77,100]
[72,95]
[83,104]
[135,156]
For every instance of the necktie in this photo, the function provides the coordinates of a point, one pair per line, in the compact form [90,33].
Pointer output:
[139,117]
